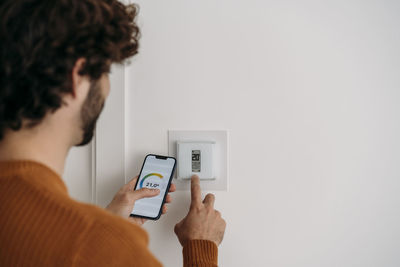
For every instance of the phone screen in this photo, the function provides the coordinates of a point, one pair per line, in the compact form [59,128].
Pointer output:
[156,173]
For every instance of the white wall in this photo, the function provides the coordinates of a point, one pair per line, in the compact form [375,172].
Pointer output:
[310,92]
[78,173]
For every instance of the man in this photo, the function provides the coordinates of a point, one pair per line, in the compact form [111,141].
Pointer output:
[54,61]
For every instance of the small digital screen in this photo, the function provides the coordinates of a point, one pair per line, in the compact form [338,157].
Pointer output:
[196,164]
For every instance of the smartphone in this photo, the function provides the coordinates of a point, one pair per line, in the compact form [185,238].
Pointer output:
[156,173]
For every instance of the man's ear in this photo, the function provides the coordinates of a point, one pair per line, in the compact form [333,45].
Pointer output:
[80,83]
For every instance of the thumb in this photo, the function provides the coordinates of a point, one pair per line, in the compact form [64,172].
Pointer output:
[144,193]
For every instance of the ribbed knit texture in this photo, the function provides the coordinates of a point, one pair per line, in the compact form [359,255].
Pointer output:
[40,225]
[200,253]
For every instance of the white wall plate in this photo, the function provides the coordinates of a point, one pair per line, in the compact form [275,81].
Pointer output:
[220,137]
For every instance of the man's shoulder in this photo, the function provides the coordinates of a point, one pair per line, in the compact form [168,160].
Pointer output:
[119,241]
[34,202]
[65,227]
[104,221]
[95,220]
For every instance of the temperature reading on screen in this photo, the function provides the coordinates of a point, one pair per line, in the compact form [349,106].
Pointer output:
[196,161]
[152,185]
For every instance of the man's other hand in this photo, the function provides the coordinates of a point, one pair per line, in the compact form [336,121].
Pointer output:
[124,201]
[202,221]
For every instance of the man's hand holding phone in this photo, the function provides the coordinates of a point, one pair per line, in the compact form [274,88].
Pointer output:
[202,221]
[124,201]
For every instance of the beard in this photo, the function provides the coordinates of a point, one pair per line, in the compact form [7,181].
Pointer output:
[90,112]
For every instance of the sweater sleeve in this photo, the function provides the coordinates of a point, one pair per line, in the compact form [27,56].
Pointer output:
[115,245]
[200,253]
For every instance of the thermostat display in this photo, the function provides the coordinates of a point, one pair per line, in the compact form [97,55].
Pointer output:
[196,162]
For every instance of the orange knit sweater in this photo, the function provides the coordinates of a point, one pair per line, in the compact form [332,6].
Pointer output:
[40,225]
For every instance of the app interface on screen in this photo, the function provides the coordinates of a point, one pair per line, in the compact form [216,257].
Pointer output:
[155,175]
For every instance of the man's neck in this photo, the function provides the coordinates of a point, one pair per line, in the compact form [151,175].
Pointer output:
[47,147]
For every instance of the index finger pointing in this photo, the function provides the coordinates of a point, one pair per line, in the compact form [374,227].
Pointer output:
[195,190]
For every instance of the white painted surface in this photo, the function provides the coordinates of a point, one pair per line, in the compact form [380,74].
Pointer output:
[110,140]
[78,173]
[310,91]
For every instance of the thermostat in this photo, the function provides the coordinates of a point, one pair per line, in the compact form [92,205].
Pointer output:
[195,158]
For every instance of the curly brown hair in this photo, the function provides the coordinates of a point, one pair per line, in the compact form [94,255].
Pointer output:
[41,40]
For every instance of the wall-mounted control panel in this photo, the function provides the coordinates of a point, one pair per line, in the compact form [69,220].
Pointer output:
[195,158]
[200,152]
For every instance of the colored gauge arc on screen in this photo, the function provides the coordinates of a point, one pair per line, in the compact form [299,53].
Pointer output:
[149,175]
